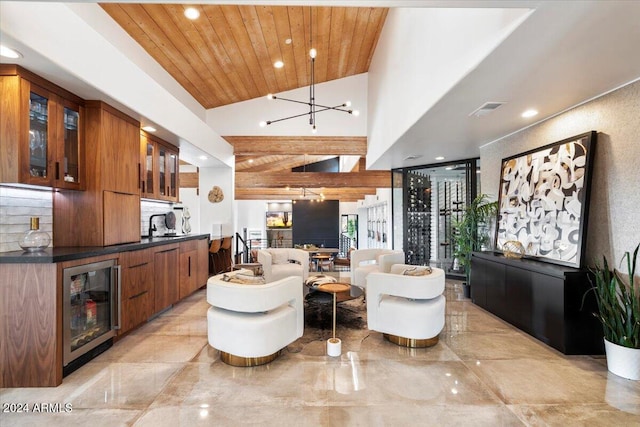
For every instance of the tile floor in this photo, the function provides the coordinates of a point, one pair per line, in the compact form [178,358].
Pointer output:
[482,372]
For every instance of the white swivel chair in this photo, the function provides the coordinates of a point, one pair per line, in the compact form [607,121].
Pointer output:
[278,263]
[251,324]
[366,261]
[408,310]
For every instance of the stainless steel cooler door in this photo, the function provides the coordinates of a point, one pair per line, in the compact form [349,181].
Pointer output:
[90,307]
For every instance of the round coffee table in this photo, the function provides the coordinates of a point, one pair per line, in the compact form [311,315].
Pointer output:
[334,345]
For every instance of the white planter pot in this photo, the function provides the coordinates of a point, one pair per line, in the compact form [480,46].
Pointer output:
[623,361]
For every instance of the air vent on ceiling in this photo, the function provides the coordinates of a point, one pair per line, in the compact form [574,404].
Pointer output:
[486,108]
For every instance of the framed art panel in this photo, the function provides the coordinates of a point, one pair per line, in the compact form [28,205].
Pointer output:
[544,199]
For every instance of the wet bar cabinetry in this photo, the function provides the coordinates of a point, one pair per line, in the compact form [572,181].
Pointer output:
[108,212]
[41,131]
[542,299]
[194,266]
[166,276]
[159,172]
[31,299]
[137,294]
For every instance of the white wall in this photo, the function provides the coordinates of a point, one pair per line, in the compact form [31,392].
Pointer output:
[613,211]
[421,54]
[216,218]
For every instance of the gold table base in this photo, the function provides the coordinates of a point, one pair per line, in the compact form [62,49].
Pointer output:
[412,342]
[246,362]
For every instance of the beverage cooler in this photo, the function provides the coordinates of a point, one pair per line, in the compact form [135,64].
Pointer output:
[91,311]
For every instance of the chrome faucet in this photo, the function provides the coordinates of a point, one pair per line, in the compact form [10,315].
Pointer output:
[152,226]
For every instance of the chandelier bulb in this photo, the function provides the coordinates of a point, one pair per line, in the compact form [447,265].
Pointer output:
[313,53]
[355,113]
[347,104]
[313,129]
[270,96]
[263,124]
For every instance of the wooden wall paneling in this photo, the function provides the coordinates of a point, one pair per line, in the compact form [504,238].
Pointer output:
[30,335]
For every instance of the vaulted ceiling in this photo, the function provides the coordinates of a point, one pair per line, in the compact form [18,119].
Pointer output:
[227,55]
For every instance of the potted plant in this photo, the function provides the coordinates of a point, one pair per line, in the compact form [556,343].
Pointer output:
[618,301]
[467,237]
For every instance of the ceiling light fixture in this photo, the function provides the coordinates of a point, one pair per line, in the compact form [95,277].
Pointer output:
[148,128]
[313,106]
[7,52]
[440,158]
[203,157]
[308,194]
[278,64]
[529,113]
[192,13]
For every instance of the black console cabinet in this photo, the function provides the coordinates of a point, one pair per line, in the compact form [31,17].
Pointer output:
[542,299]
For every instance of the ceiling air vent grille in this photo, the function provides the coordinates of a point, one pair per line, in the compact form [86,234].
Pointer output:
[486,108]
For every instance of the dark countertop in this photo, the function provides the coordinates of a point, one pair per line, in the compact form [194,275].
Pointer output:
[55,255]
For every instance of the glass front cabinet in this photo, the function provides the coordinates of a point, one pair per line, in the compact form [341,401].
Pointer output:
[41,129]
[160,169]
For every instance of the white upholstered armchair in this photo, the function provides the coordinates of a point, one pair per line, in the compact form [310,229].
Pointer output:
[408,310]
[251,324]
[365,261]
[278,263]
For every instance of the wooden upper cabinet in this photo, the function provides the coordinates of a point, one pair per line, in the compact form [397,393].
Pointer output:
[108,212]
[159,168]
[41,132]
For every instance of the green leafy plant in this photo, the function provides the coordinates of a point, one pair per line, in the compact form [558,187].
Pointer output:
[618,302]
[467,239]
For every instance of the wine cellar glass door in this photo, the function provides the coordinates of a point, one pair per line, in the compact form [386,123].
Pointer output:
[434,199]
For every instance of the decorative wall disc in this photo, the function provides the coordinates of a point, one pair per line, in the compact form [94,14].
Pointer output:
[216,195]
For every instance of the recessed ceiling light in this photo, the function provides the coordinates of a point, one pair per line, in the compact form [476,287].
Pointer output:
[192,13]
[278,64]
[287,41]
[7,52]
[203,157]
[449,168]
[440,158]
[148,128]
[529,113]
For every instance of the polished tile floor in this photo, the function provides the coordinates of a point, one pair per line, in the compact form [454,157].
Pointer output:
[482,372]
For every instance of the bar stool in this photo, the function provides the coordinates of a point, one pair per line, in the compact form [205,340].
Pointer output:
[225,254]
[214,256]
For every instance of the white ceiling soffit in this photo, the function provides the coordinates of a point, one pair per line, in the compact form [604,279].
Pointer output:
[564,54]
[77,46]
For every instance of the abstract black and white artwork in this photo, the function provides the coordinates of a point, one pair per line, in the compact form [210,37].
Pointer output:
[543,200]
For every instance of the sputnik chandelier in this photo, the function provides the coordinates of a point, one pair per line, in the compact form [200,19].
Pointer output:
[313,106]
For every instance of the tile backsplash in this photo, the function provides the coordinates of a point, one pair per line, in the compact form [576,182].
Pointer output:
[148,208]
[17,206]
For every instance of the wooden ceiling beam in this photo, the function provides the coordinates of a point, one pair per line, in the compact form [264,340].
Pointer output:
[291,145]
[370,179]
[275,163]
[342,194]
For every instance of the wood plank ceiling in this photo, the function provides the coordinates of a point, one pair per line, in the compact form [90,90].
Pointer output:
[227,55]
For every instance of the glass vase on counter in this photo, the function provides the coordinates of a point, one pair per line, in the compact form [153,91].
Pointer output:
[35,239]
